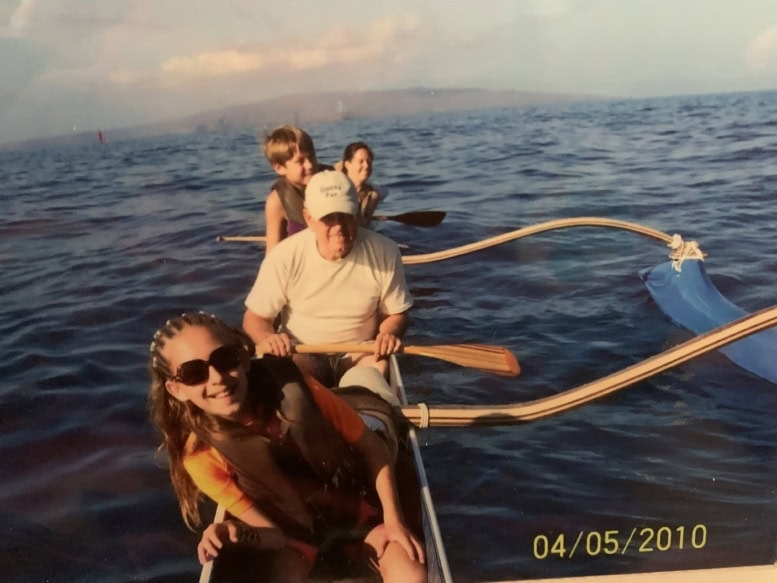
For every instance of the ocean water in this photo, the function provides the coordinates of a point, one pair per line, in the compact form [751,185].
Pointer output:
[101,244]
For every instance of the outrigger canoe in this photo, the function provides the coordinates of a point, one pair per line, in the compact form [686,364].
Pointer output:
[688,297]
[436,559]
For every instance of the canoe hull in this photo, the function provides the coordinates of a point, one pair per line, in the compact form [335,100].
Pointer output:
[436,559]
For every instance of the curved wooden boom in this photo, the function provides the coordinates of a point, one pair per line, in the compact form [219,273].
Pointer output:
[533,230]
[457,415]
[494,359]
[504,238]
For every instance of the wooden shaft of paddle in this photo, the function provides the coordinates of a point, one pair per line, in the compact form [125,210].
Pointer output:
[263,239]
[458,416]
[415,218]
[242,238]
[533,230]
[494,359]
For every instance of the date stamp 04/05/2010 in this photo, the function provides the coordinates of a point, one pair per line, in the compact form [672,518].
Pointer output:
[640,539]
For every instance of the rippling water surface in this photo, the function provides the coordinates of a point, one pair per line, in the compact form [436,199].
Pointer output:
[101,244]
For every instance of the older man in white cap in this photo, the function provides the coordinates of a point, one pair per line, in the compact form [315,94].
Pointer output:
[332,282]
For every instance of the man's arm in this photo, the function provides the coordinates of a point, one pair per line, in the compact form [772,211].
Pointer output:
[395,300]
[390,332]
[395,324]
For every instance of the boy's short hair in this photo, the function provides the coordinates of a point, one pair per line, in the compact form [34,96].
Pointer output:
[282,144]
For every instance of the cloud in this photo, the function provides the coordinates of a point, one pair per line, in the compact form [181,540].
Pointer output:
[336,46]
[20,15]
[71,31]
[761,53]
[547,8]
[67,16]
[165,60]
[215,63]
[22,60]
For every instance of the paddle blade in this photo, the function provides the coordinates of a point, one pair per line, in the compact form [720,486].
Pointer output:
[493,359]
[415,218]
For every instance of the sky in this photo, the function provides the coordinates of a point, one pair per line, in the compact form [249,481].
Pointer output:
[115,63]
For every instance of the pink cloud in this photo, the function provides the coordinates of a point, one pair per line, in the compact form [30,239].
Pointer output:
[761,53]
[334,47]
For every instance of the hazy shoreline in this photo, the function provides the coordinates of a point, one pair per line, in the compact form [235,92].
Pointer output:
[318,107]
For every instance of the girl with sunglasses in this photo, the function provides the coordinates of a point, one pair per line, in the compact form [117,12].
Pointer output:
[289,460]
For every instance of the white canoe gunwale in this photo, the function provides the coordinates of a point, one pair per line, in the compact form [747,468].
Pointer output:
[436,559]
[437,566]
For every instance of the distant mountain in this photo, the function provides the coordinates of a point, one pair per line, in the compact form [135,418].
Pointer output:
[307,108]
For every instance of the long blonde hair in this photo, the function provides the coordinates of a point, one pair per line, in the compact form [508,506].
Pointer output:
[177,420]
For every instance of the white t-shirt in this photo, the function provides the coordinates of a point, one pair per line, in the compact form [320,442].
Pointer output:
[331,301]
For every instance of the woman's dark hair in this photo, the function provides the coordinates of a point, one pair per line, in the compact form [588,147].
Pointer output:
[353,147]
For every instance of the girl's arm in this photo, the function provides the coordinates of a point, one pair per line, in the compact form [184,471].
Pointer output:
[274,221]
[254,528]
[376,456]
[368,207]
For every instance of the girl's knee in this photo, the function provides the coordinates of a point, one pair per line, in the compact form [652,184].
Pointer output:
[397,567]
[415,573]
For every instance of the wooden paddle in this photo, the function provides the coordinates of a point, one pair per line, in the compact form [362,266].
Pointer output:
[242,238]
[494,359]
[415,218]
[458,415]
[262,239]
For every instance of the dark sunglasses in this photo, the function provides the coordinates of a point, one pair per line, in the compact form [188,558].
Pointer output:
[196,372]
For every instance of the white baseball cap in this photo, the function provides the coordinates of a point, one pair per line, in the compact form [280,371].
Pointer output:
[330,191]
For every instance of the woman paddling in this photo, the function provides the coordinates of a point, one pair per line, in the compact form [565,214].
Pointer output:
[290,461]
[357,164]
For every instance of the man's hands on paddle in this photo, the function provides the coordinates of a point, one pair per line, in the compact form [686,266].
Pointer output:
[389,338]
[281,345]
[386,344]
[277,344]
